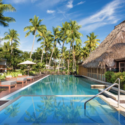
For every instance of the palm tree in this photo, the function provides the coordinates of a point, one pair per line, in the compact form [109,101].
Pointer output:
[64,35]
[12,36]
[56,56]
[39,51]
[56,39]
[46,37]
[92,42]
[74,36]
[63,54]
[84,52]
[67,58]
[36,26]
[3,19]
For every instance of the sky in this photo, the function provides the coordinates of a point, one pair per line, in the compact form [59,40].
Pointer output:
[98,16]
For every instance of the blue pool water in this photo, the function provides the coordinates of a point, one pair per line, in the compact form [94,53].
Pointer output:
[59,110]
[59,85]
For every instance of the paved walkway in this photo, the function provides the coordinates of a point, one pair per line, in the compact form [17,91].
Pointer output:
[13,89]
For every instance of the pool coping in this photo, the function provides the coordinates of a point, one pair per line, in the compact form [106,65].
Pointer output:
[7,96]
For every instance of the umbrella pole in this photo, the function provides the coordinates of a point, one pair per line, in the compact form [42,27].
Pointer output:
[28,70]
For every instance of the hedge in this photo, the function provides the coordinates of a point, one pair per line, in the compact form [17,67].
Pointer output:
[111,77]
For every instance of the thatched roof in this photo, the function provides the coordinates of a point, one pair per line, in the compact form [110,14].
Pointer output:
[111,49]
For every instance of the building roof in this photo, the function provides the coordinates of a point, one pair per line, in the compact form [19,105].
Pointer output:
[111,49]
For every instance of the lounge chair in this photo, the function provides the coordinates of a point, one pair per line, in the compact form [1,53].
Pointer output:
[8,84]
[31,78]
[22,80]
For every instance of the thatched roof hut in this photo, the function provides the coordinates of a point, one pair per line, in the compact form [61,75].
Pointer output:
[109,51]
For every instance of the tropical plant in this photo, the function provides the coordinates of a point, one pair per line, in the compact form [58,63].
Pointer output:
[84,53]
[67,59]
[3,8]
[46,37]
[63,37]
[39,51]
[36,26]
[56,56]
[92,41]
[56,33]
[74,36]
[14,58]
[12,36]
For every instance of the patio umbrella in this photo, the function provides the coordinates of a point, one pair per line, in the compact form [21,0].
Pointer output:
[27,63]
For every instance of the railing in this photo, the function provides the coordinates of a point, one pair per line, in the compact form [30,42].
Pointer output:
[105,90]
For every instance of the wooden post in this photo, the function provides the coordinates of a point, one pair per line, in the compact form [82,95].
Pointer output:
[101,74]
[119,67]
[91,72]
[104,74]
[97,73]
[22,83]
[9,88]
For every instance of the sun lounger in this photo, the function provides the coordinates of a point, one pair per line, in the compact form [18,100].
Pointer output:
[31,78]
[8,84]
[22,80]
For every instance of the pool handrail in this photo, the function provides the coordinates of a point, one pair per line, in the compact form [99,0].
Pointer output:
[118,79]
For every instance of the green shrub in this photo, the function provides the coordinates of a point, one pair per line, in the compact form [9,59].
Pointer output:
[111,77]
[2,77]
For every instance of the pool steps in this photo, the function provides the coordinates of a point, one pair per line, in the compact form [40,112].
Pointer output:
[104,83]
[107,93]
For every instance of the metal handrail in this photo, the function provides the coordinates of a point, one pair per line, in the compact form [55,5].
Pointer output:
[105,90]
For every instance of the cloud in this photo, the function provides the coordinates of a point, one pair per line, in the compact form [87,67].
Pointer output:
[33,1]
[82,2]
[108,15]
[70,4]
[50,11]
[19,1]
[49,3]
[22,1]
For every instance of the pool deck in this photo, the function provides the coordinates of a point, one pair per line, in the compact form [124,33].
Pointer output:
[19,86]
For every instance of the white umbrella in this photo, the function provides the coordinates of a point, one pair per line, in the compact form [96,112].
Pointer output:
[46,65]
[27,63]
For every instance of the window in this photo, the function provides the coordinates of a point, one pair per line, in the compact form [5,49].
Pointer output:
[122,66]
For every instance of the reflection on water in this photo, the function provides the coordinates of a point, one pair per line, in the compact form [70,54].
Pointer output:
[59,110]
[12,110]
[60,85]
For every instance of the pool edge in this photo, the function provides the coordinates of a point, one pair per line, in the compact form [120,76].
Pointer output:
[7,96]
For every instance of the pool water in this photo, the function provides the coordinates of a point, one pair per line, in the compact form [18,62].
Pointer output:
[39,110]
[59,85]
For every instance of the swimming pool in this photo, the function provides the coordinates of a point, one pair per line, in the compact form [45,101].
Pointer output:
[58,85]
[46,110]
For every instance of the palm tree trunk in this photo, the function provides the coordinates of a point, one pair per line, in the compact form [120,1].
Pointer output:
[51,56]
[75,63]
[73,54]
[42,57]
[11,52]
[69,57]
[11,48]
[68,66]
[33,44]
[61,55]
[46,58]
